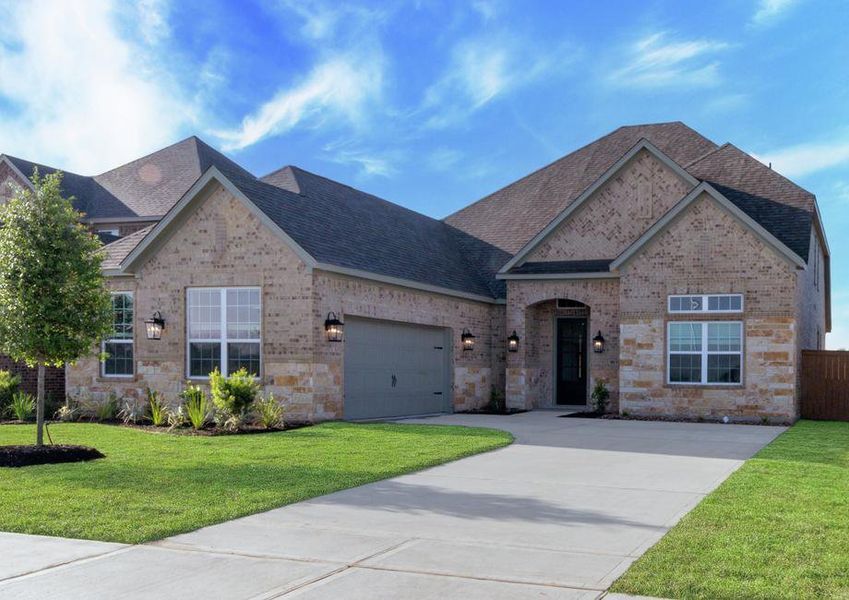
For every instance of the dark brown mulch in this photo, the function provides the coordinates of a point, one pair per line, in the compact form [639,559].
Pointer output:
[24,456]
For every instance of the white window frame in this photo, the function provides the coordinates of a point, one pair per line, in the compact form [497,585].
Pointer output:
[110,230]
[223,340]
[705,301]
[111,340]
[704,354]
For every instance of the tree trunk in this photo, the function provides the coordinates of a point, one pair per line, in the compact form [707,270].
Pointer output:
[39,408]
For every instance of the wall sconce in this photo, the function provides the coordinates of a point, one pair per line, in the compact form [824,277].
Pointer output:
[467,339]
[598,342]
[154,326]
[333,327]
[513,342]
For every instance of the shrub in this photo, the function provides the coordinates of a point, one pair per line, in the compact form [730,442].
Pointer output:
[67,412]
[233,395]
[158,410]
[269,411]
[107,410]
[175,418]
[196,404]
[497,401]
[9,385]
[23,405]
[132,411]
[600,396]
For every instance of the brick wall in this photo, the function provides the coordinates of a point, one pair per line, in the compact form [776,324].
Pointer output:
[707,251]
[222,244]
[54,382]
[627,204]
[531,311]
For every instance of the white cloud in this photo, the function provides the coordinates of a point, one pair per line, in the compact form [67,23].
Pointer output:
[770,10]
[804,159]
[485,68]
[343,88]
[369,163]
[82,96]
[444,159]
[657,61]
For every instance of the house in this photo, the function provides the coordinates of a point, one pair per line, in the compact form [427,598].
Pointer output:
[685,275]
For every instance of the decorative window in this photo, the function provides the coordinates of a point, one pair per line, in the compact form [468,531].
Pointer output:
[118,347]
[705,352]
[701,303]
[223,330]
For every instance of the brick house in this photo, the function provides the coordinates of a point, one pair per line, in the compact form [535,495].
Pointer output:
[687,276]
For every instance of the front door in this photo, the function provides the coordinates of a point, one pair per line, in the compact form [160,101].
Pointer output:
[571,361]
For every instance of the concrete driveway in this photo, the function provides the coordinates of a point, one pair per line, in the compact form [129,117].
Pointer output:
[561,513]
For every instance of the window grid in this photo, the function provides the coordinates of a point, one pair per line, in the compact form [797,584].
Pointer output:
[705,303]
[119,345]
[705,352]
[224,327]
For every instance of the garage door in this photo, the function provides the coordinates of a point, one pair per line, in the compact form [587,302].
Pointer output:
[394,369]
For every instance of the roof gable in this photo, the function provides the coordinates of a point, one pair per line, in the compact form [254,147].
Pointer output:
[513,215]
[642,144]
[725,203]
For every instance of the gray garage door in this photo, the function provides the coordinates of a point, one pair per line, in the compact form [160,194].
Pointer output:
[394,369]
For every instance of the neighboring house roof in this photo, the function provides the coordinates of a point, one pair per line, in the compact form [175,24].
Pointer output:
[146,187]
[510,217]
[118,250]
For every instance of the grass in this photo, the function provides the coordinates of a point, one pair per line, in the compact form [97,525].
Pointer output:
[777,528]
[153,485]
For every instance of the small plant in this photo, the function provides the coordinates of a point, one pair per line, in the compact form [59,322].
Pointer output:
[233,395]
[175,418]
[67,413]
[132,411]
[196,404]
[600,396]
[269,411]
[497,401]
[107,410]
[9,385]
[157,408]
[23,405]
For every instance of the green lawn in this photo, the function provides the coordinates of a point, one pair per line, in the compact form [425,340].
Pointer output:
[152,485]
[777,528]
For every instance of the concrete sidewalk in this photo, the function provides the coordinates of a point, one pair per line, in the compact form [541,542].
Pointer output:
[561,513]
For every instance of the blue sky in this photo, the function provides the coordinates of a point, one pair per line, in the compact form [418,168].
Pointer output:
[431,104]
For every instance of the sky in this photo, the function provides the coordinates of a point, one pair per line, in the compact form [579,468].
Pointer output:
[431,104]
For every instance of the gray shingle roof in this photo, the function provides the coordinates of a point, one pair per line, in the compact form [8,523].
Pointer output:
[563,266]
[146,187]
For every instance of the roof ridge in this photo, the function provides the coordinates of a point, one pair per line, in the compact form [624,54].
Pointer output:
[36,164]
[148,155]
[535,171]
[706,154]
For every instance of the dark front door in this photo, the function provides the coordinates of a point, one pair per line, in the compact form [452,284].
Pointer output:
[571,362]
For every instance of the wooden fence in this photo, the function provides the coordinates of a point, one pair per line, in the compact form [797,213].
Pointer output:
[825,385]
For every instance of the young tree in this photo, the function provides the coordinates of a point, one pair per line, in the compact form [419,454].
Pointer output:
[54,306]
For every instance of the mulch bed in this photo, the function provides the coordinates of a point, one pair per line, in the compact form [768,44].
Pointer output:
[214,431]
[24,456]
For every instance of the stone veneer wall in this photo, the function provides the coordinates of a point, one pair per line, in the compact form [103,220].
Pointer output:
[707,251]
[531,311]
[627,204]
[222,244]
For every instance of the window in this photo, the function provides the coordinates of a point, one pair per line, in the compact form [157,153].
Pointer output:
[715,303]
[223,330]
[119,346]
[111,231]
[705,352]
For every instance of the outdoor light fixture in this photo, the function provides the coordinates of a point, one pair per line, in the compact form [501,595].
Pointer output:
[333,327]
[467,339]
[598,343]
[154,326]
[513,342]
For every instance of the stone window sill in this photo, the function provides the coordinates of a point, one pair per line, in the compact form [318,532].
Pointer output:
[689,386]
